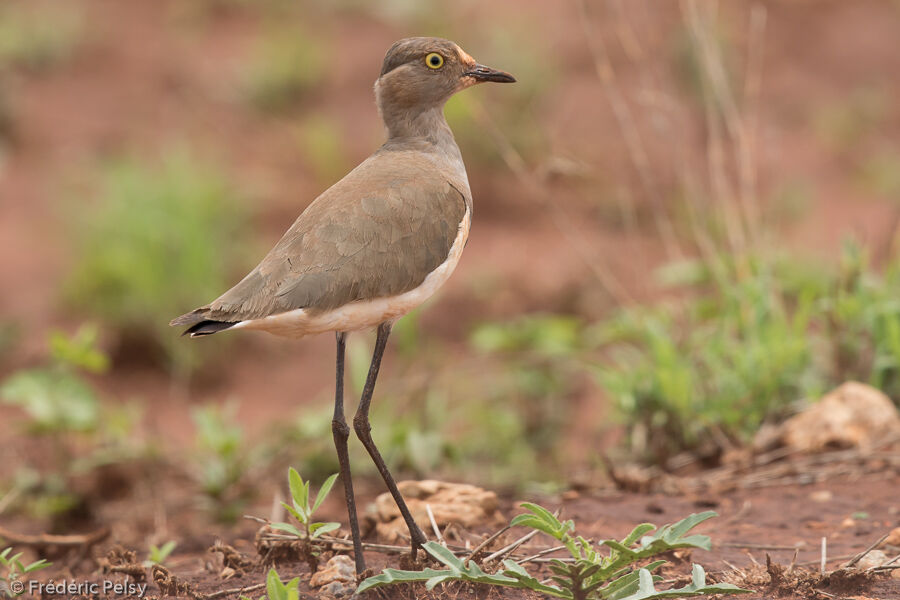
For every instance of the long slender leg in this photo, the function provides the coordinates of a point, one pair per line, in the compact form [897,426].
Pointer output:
[341,433]
[363,431]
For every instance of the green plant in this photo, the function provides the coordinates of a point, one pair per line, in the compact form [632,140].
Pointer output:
[539,360]
[861,318]
[14,570]
[604,570]
[62,407]
[159,554]
[286,65]
[713,366]
[278,590]
[37,37]
[301,510]
[154,241]
[223,461]
[56,398]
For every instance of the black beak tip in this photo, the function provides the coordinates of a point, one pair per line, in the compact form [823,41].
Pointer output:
[483,73]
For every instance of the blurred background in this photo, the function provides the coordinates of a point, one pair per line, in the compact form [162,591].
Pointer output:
[685,228]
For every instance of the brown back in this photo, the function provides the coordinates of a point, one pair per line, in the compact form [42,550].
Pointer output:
[376,233]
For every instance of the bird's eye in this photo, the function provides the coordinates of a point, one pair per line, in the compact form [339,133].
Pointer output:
[434,60]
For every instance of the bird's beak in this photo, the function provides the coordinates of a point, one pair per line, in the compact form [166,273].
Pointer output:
[482,73]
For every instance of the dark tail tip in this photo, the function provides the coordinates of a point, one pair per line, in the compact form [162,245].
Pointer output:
[207,328]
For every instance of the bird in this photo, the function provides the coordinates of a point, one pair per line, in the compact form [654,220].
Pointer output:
[373,246]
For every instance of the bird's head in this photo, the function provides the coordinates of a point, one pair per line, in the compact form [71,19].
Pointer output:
[420,73]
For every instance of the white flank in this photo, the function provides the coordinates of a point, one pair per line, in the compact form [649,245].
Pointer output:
[365,314]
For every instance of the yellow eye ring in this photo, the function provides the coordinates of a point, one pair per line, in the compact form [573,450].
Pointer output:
[434,60]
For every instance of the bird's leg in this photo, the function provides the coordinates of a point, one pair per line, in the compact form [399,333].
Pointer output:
[341,433]
[363,430]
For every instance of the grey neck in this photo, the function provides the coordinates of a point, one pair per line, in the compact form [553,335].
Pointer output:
[425,131]
[428,126]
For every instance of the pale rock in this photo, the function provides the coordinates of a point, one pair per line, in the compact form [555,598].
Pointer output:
[339,570]
[460,503]
[875,558]
[854,415]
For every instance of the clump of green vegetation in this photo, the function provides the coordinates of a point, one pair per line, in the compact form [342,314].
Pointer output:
[223,462]
[37,37]
[61,406]
[14,570]
[748,344]
[860,316]
[158,239]
[56,398]
[286,65]
[592,572]
[721,363]
[540,354]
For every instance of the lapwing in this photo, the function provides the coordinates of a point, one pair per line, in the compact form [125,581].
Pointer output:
[375,245]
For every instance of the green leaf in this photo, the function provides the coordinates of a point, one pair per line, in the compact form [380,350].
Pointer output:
[299,492]
[637,532]
[647,591]
[294,512]
[542,520]
[274,587]
[293,589]
[288,528]
[444,555]
[323,492]
[317,529]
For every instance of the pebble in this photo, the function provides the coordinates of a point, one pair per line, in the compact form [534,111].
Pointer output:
[821,496]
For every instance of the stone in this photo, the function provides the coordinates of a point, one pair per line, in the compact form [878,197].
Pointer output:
[339,569]
[875,558]
[854,415]
[460,503]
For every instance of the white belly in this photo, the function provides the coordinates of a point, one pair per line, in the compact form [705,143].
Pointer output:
[364,314]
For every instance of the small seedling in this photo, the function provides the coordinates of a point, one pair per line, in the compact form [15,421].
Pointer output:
[593,572]
[277,590]
[300,509]
[13,570]
[158,555]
